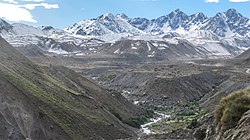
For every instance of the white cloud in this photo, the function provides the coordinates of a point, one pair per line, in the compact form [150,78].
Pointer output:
[215,1]
[11,1]
[33,0]
[15,13]
[45,5]
[239,0]
[12,11]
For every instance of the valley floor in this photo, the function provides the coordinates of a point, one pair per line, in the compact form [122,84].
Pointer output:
[182,91]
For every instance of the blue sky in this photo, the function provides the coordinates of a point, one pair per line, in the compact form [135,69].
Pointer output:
[64,13]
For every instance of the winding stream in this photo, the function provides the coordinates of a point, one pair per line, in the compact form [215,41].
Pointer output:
[145,127]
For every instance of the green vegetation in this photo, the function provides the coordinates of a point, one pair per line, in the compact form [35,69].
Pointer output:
[185,119]
[138,121]
[168,126]
[231,108]
[193,123]
[186,113]
[110,77]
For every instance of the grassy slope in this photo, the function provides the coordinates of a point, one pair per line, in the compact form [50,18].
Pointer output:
[79,107]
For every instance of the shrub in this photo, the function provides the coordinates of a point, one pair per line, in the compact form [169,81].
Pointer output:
[187,113]
[149,113]
[136,122]
[192,124]
[117,115]
[231,108]
[111,77]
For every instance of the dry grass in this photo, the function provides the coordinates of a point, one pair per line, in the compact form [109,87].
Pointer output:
[231,108]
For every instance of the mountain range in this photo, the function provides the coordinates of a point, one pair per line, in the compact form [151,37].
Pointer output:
[226,24]
[172,36]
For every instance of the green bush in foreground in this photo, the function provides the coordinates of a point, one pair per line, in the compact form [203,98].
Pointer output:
[231,108]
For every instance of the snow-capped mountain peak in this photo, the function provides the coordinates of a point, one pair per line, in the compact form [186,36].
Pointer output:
[231,12]
[198,17]
[104,24]
[122,16]
[106,16]
[140,23]
[223,24]
[225,34]
[47,28]
[177,13]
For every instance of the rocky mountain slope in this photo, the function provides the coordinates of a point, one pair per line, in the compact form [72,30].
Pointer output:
[47,102]
[231,120]
[245,57]
[168,49]
[46,38]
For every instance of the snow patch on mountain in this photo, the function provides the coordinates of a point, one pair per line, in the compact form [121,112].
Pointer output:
[216,49]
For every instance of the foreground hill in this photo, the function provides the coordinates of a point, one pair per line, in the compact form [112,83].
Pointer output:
[41,102]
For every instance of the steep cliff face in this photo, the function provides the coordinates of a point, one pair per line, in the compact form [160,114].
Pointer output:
[241,131]
[212,131]
[47,102]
